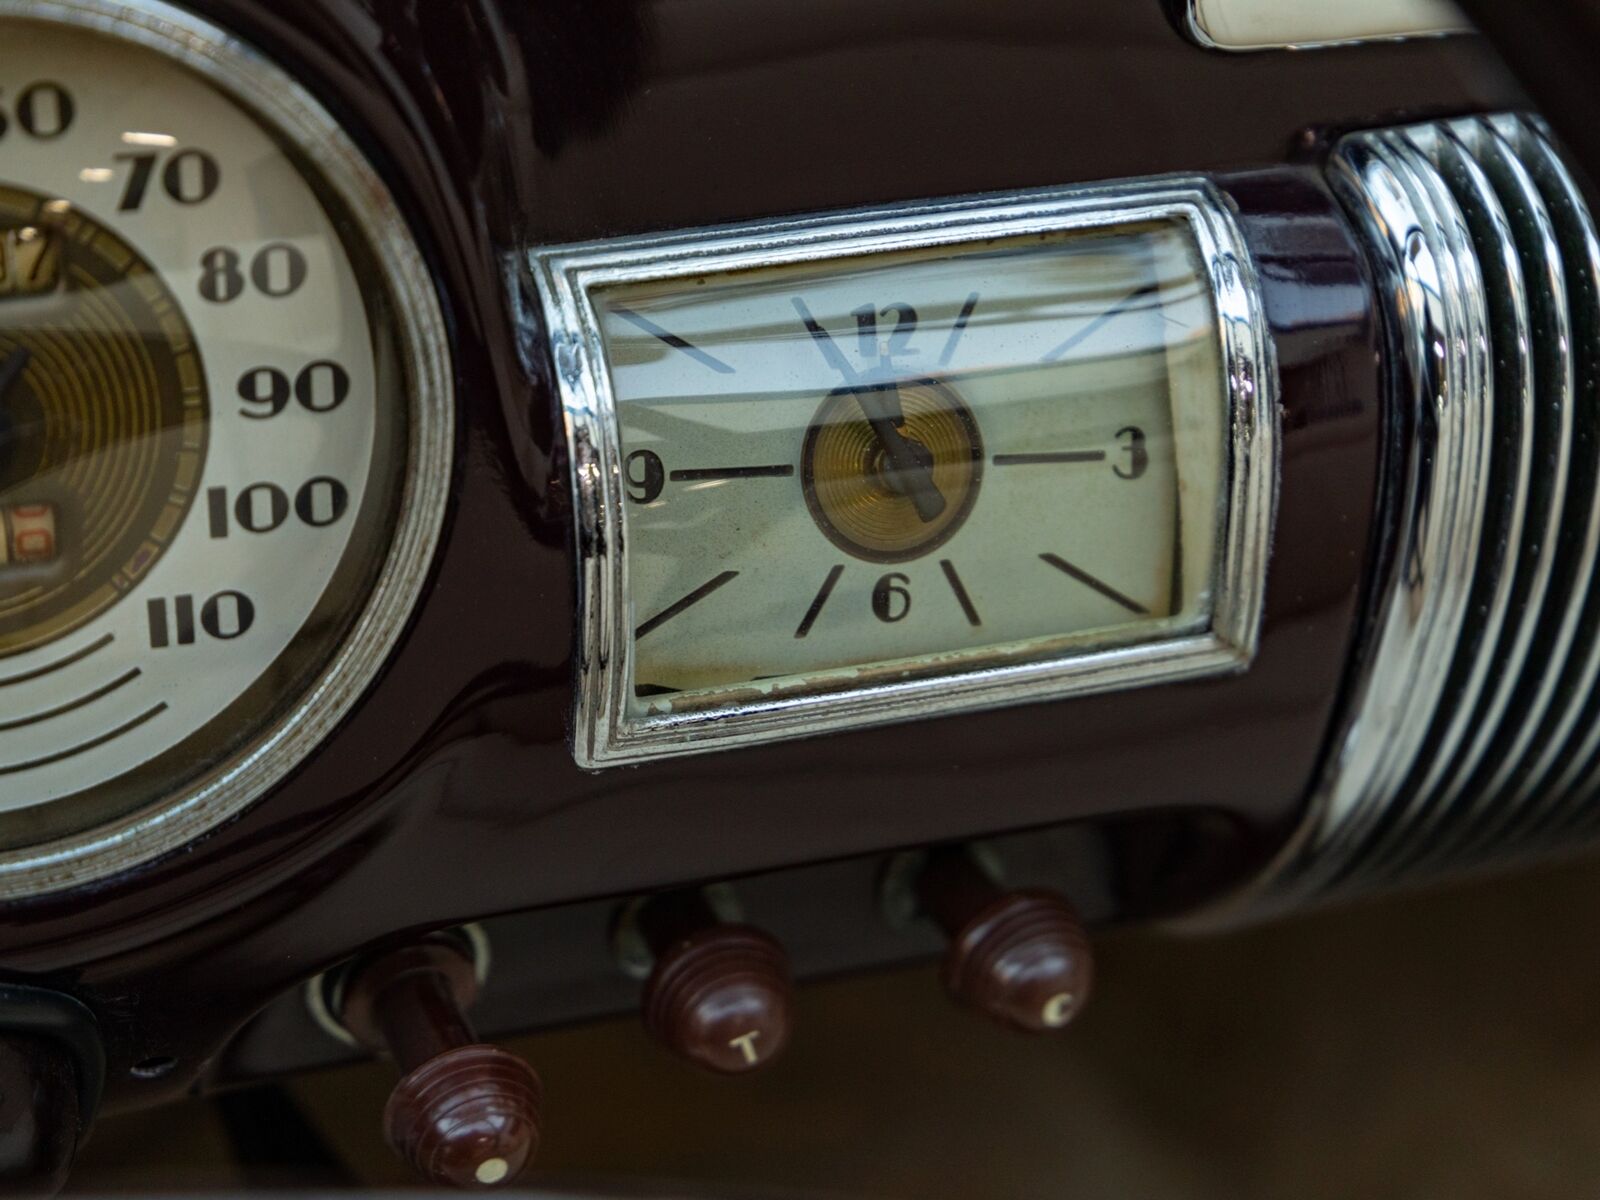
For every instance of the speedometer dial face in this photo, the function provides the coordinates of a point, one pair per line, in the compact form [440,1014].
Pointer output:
[911,462]
[214,402]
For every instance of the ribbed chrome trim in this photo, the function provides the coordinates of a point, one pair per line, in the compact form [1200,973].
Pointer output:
[1439,333]
[1472,729]
[1563,769]
[1525,664]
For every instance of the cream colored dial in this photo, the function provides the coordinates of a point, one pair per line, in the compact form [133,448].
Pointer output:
[864,466]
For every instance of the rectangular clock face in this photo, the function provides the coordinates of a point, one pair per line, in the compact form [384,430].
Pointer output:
[876,466]
[1016,447]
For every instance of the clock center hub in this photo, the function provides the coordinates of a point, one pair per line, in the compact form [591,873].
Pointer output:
[891,473]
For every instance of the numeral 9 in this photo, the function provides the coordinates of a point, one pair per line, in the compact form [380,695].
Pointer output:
[645,476]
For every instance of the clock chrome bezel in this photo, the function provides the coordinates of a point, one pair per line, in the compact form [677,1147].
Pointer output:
[606,734]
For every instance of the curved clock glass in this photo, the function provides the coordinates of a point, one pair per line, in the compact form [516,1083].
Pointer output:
[885,465]
[223,429]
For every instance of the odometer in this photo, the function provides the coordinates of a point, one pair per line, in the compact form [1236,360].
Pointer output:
[224,419]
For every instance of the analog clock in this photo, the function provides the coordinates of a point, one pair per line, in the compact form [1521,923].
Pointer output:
[1013,447]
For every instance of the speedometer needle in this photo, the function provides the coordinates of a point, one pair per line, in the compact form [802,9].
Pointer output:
[910,462]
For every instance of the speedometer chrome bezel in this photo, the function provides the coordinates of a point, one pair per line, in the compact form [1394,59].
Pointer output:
[606,733]
[286,108]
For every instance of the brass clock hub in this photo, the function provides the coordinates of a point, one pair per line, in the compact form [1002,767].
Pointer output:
[891,468]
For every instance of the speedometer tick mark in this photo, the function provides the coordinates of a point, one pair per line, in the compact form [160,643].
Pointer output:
[85,747]
[72,705]
[75,656]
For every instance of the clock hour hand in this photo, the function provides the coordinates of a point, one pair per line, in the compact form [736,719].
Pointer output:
[910,462]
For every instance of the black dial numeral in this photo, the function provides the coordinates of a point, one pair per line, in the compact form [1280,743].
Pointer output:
[223,617]
[645,475]
[891,599]
[276,270]
[189,177]
[319,387]
[1138,456]
[905,324]
[44,110]
[264,507]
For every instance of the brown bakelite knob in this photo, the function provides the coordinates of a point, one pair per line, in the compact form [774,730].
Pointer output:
[1022,957]
[719,994]
[464,1113]
[468,1117]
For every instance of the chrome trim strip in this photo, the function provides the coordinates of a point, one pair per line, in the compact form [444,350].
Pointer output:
[1527,239]
[1558,774]
[1478,701]
[606,733]
[1481,791]
[1438,321]
[1525,773]
[1440,326]
[248,78]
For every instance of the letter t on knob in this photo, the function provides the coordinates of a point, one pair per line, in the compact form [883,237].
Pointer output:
[1022,957]
[719,993]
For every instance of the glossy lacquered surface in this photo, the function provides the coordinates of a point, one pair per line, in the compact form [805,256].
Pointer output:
[451,793]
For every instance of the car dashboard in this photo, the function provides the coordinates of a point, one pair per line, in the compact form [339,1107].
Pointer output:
[516,513]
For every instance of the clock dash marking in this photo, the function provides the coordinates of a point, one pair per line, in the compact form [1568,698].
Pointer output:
[689,601]
[669,338]
[960,589]
[1110,314]
[823,593]
[1054,456]
[824,340]
[1099,585]
[696,474]
[958,329]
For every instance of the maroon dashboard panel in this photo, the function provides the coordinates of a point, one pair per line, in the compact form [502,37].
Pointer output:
[451,794]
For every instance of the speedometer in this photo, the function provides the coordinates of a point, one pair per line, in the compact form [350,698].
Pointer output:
[224,430]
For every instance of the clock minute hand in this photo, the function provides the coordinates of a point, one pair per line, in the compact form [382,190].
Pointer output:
[909,460]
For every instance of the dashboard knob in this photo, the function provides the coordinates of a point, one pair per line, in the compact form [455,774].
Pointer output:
[1022,957]
[464,1113]
[719,993]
